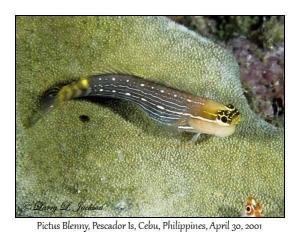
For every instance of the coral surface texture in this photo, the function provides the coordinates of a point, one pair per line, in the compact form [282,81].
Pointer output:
[106,155]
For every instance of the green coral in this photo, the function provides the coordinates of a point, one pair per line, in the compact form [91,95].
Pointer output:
[120,158]
[265,31]
[236,25]
[272,32]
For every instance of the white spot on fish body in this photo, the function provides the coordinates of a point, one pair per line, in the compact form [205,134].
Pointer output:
[162,91]
[128,94]
[185,127]
[101,90]
[142,85]
[143,99]
[113,79]
[160,107]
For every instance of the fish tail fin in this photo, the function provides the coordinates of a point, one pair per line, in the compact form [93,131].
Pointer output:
[50,100]
[56,96]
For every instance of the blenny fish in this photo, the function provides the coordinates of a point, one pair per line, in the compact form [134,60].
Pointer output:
[252,208]
[161,103]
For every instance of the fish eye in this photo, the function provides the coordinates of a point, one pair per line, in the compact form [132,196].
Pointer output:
[248,209]
[224,119]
